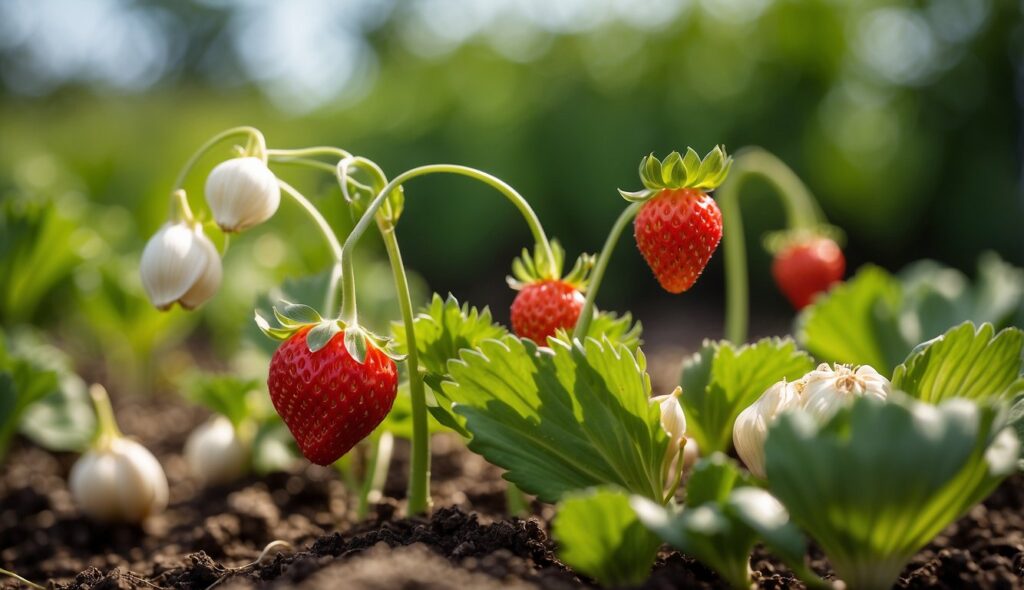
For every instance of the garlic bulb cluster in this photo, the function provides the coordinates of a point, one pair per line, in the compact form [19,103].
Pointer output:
[180,265]
[242,192]
[821,393]
[118,480]
[215,453]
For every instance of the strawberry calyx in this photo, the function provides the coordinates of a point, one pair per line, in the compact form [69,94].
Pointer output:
[528,268]
[677,171]
[778,242]
[294,317]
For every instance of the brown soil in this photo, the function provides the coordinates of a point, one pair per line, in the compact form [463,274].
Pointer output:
[213,536]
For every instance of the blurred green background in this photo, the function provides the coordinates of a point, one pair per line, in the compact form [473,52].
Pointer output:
[904,118]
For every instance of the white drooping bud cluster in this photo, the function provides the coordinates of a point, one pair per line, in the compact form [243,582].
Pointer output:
[821,393]
[180,264]
[215,453]
[118,480]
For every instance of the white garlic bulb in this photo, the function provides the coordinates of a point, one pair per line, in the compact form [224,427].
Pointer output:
[826,389]
[214,452]
[751,427]
[242,192]
[118,480]
[821,393]
[180,265]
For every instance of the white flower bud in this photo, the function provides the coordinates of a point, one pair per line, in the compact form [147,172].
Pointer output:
[119,482]
[180,265]
[674,422]
[691,454]
[826,390]
[751,427]
[214,452]
[242,192]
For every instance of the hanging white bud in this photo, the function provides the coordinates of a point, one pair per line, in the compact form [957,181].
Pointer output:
[180,265]
[827,389]
[215,454]
[751,427]
[118,480]
[242,192]
[673,421]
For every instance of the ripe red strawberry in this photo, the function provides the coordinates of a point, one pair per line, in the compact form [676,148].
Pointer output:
[541,308]
[677,231]
[679,226]
[808,267]
[546,301]
[328,400]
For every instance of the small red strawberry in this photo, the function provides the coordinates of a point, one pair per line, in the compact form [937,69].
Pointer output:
[329,398]
[806,267]
[546,302]
[679,226]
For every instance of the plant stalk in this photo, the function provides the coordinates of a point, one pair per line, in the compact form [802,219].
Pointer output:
[256,140]
[332,243]
[106,424]
[597,275]
[801,211]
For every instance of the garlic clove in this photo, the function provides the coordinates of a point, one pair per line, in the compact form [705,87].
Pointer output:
[826,389]
[242,192]
[171,264]
[751,427]
[215,454]
[206,285]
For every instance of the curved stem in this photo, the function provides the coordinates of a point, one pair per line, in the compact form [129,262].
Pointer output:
[106,425]
[254,137]
[348,305]
[28,583]
[587,313]
[801,210]
[419,463]
[310,151]
[332,242]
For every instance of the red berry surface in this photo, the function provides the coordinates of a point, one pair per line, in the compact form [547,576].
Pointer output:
[677,231]
[329,401]
[803,270]
[541,308]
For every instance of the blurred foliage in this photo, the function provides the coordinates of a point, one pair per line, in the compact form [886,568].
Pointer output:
[900,115]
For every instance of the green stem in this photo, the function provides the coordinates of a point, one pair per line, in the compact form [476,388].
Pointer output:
[801,210]
[348,305]
[332,242]
[21,579]
[419,465]
[254,137]
[310,151]
[318,165]
[376,473]
[106,425]
[515,501]
[596,276]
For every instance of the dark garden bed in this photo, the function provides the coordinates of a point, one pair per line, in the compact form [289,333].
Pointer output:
[209,536]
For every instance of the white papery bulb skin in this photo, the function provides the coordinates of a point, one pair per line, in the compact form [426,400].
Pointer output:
[242,193]
[750,430]
[180,265]
[673,421]
[120,482]
[215,454]
[827,389]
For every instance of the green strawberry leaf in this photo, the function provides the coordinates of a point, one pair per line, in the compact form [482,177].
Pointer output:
[561,419]
[857,322]
[223,394]
[619,329]
[721,380]
[880,479]
[970,362]
[599,535]
[724,517]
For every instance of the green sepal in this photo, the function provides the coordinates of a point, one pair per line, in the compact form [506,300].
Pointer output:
[778,241]
[679,172]
[532,268]
[323,332]
[279,334]
[358,341]
[296,314]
